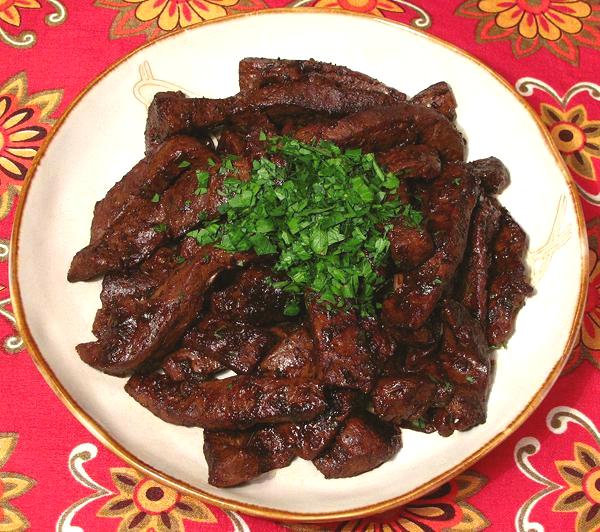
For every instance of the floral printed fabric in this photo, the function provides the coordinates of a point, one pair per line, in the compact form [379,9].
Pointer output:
[55,476]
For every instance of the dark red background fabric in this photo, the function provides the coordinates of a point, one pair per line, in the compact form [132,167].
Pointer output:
[56,475]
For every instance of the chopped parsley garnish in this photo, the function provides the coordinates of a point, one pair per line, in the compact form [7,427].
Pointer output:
[156,198]
[211,162]
[324,213]
[471,379]
[179,259]
[160,228]
[456,181]
[203,179]
[437,280]
[184,164]
[418,423]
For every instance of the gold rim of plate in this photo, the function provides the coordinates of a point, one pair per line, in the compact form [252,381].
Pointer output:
[262,511]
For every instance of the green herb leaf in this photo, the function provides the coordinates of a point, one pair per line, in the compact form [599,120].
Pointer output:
[160,228]
[184,164]
[155,198]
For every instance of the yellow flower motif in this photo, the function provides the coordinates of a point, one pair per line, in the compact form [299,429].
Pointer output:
[12,485]
[576,137]
[173,13]
[375,7]
[548,18]
[143,504]
[9,11]
[24,123]
[582,495]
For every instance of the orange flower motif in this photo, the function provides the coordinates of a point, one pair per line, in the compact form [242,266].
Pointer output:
[9,11]
[576,137]
[24,123]
[172,13]
[582,495]
[145,505]
[561,26]
[548,18]
[375,7]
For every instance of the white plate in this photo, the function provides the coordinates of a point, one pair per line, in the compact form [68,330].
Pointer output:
[101,137]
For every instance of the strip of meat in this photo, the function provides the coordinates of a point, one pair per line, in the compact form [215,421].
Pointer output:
[363,444]
[238,346]
[409,246]
[402,398]
[292,357]
[152,175]
[440,97]
[146,225]
[236,457]
[378,340]
[235,403]
[450,205]
[187,364]
[492,174]
[344,359]
[381,128]
[472,288]
[310,439]
[166,316]
[508,285]
[257,72]
[464,357]
[231,461]
[253,298]
[413,161]
[171,113]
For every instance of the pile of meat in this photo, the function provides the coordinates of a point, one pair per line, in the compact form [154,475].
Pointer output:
[325,386]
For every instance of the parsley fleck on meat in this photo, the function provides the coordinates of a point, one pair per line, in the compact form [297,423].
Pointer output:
[324,213]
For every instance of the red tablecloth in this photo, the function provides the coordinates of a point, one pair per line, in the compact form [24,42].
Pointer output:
[55,475]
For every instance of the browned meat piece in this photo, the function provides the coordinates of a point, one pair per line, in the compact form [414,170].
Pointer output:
[119,287]
[464,357]
[314,436]
[310,439]
[185,364]
[440,97]
[381,128]
[171,113]
[492,174]
[146,225]
[403,398]
[343,357]
[292,357]
[257,72]
[450,205]
[363,443]
[253,299]
[230,460]
[409,246]
[414,161]
[508,285]
[238,346]
[235,403]
[472,287]
[378,340]
[164,319]
[236,457]
[152,175]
